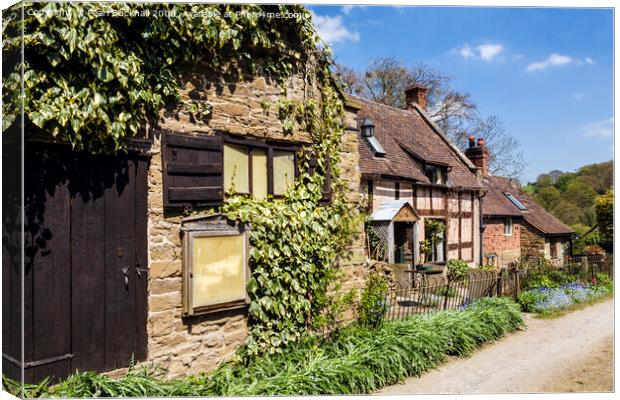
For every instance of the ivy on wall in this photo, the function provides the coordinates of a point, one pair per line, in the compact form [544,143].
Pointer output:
[95,72]
[296,242]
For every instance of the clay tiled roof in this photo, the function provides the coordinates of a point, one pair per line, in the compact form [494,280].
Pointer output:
[409,131]
[495,203]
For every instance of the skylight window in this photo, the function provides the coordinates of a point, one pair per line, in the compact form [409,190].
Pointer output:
[516,202]
[375,146]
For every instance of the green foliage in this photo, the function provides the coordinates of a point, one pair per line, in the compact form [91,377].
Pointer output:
[605,220]
[601,279]
[487,267]
[457,270]
[297,241]
[95,72]
[541,281]
[542,274]
[373,301]
[570,196]
[357,360]
[529,298]
[433,233]
[582,241]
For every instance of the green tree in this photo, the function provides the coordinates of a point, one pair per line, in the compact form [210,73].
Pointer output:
[604,207]
[580,194]
[548,197]
[567,212]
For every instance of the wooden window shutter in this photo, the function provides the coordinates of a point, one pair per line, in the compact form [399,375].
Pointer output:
[327,188]
[192,170]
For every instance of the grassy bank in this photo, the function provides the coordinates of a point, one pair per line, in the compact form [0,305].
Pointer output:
[353,361]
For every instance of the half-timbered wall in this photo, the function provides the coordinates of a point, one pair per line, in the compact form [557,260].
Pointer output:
[461,213]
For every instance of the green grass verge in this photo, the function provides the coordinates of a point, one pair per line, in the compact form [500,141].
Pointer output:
[353,361]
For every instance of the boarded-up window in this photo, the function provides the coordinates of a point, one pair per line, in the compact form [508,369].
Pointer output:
[236,168]
[198,169]
[283,171]
[218,269]
[192,170]
[215,264]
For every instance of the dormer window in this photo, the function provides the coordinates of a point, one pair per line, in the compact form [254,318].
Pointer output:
[514,201]
[367,129]
[438,175]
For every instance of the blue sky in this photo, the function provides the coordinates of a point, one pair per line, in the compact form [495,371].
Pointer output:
[546,72]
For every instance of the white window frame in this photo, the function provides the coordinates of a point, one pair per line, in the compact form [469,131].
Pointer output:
[508,227]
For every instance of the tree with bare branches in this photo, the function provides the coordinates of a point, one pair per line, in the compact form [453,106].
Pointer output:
[385,81]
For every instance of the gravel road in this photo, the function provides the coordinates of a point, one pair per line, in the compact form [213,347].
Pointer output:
[572,353]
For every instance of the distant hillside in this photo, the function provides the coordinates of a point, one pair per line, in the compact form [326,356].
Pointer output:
[570,195]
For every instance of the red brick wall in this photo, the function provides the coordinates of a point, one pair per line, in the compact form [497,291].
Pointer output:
[507,248]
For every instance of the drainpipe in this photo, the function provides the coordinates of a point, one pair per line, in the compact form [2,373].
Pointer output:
[482,194]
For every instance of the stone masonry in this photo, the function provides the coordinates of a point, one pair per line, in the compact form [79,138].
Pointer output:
[532,242]
[200,343]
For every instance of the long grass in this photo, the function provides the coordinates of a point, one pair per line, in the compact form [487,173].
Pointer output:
[354,361]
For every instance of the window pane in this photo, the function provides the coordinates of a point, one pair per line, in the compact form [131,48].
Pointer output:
[218,270]
[283,171]
[236,168]
[259,173]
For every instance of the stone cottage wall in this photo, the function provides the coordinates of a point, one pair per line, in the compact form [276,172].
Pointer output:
[532,241]
[506,248]
[200,343]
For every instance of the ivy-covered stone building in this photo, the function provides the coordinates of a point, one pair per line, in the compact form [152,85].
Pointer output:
[156,252]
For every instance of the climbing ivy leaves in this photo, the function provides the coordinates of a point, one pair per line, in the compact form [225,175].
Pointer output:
[95,72]
[296,243]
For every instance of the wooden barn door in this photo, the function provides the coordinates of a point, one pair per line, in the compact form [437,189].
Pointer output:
[86,257]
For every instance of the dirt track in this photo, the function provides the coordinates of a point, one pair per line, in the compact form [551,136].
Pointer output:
[573,353]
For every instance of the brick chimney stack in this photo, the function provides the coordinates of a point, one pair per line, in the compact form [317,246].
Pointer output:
[479,154]
[416,94]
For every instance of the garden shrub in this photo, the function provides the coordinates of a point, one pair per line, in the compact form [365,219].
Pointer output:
[604,280]
[355,360]
[373,301]
[457,270]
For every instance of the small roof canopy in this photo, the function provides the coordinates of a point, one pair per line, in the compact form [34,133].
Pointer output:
[395,210]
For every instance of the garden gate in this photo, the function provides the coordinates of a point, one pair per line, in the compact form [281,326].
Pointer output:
[85,276]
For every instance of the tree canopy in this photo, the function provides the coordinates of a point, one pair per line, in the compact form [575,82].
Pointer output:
[580,199]
[454,111]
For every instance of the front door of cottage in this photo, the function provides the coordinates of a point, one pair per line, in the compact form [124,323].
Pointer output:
[85,277]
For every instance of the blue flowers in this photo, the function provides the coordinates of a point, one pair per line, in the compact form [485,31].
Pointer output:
[544,300]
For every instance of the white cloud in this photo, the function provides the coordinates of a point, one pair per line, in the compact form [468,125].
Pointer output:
[466,52]
[602,129]
[489,51]
[347,8]
[553,60]
[557,60]
[332,29]
[486,52]
[577,96]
